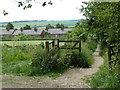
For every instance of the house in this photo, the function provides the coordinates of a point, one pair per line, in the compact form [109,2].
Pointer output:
[58,32]
[26,32]
[55,32]
[6,32]
[30,32]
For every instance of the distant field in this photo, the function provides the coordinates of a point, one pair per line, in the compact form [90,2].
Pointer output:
[15,43]
[42,24]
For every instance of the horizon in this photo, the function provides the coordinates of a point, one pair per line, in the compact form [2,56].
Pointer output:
[41,20]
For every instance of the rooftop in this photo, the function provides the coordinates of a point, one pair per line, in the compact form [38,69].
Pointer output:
[58,31]
[28,32]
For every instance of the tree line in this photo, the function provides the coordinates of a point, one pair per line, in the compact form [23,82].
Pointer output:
[26,27]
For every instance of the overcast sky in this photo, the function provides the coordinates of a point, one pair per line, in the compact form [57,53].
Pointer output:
[60,10]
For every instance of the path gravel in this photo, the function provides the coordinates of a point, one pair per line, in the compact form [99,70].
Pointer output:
[73,78]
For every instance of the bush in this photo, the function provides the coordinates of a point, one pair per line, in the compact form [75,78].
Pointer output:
[103,46]
[33,60]
[92,45]
[15,60]
[86,56]
[105,77]
[58,61]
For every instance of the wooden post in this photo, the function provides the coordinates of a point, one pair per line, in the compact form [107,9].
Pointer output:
[58,43]
[53,43]
[119,54]
[109,55]
[79,45]
[47,47]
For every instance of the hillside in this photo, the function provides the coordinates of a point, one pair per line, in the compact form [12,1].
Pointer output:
[39,23]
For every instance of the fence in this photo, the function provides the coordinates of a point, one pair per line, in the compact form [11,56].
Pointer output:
[51,45]
[113,54]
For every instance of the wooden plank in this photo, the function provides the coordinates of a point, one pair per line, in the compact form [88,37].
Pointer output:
[50,42]
[75,44]
[109,52]
[53,43]
[69,48]
[47,47]
[67,41]
[80,45]
[58,43]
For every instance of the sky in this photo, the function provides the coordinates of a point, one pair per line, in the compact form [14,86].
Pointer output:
[60,10]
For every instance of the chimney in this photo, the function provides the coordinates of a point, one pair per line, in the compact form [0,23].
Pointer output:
[35,28]
[46,28]
[7,28]
[62,27]
[21,29]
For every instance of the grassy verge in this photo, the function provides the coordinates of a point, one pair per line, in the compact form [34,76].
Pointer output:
[28,60]
[105,77]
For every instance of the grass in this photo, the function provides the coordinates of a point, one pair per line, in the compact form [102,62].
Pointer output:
[105,77]
[28,60]
[15,43]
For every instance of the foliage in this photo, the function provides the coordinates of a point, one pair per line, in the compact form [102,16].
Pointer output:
[77,33]
[106,77]
[9,26]
[92,45]
[58,25]
[16,60]
[49,26]
[102,23]
[47,33]
[33,60]
[6,38]
[102,20]
[27,27]
[5,13]
[20,37]
[26,3]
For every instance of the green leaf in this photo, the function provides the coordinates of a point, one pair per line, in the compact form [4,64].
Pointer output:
[5,13]
[50,2]
[44,4]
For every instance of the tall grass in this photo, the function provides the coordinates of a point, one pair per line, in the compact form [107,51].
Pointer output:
[105,77]
[16,60]
[33,60]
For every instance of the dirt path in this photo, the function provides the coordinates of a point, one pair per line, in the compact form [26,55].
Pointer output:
[70,79]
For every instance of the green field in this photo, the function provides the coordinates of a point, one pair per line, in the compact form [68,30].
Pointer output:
[42,24]
[15,43]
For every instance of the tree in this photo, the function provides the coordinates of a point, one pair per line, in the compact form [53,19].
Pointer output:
[27,27]
[102,22]
[59,25]
[27,4]
[49,26]
[9,26]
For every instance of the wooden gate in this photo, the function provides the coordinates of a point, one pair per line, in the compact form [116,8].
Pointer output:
[71,46]
[50,45]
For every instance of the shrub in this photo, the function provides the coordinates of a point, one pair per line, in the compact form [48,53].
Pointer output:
[92,45]
[86,56]
[105,77]
[15,60]
[33,60]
